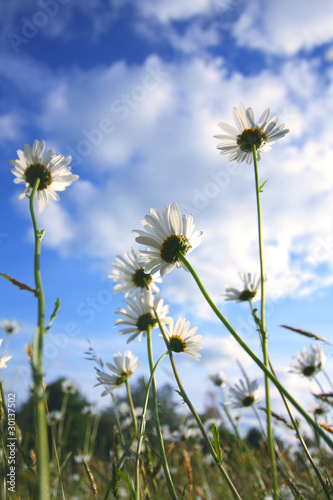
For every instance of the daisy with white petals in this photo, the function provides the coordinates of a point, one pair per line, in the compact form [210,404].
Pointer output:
[218,379]
[123,368]
[249,289]
[238,144]
[52,169]
[181,339]
[165,236]
[130,275]
[4,359]
[140,314]
[11,327]
[309,363]
[245,395]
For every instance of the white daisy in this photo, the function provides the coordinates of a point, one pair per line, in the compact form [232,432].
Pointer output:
[249,289]
[10,326]
[181,339]
[124,367]
[309,363]
[165,236]
[218,379]
[4,359]
[68,386]
[238,143]
[244,395]
[52,169]
[79,459]
[140,314]
[130,276]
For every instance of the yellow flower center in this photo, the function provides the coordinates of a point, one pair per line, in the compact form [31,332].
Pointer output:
[144,321]
[176,344]
[172,246]
[251,137]
[141,279]
[38,170]
[248,401]
[247,295]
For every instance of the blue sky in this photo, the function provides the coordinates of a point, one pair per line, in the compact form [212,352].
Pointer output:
[134,93]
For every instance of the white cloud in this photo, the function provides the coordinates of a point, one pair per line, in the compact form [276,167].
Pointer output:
[59,227]
[172,10]
[161,149]
[284,27]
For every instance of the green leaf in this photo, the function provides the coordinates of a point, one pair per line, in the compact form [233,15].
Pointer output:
[125,477]
[184,491]
[54,314]
[216,443]
[40,235]
[262,185]
[22,286]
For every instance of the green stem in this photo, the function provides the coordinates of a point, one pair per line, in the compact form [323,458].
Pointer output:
[135,422]
[142,430]
[43,457]
[117,419]
[270,438]
[275,381]
[296,427]
[202,430]
[157,421]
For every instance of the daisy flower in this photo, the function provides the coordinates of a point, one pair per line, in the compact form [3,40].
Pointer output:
[55,416]
[249,289]
[245,395]
[52,169]
[10,326]
[4,359]
[181,339]
[309,363]
[68,386]
[130,276]
[140,314]
[123,368]
[218,379]
[165,236]
[238,143]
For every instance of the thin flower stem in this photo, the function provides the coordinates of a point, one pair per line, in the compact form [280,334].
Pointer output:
[202,430]
[305,448]
[117,419]
[296,427]
[270,438]
[319,385]
[157,420]
[328,379]
[43,457]
[195,415]
[135,422]
[142,430]
[243,443]
[275,381]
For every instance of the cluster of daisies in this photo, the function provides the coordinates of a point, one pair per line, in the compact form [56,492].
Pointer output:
[166,237]
[137,275]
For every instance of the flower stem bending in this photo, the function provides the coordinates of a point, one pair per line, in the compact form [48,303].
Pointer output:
[202,430]
[270,438]
[43,457]
[275,381]
[157,420]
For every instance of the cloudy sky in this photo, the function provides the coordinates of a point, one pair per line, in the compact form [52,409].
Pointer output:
[134,92]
